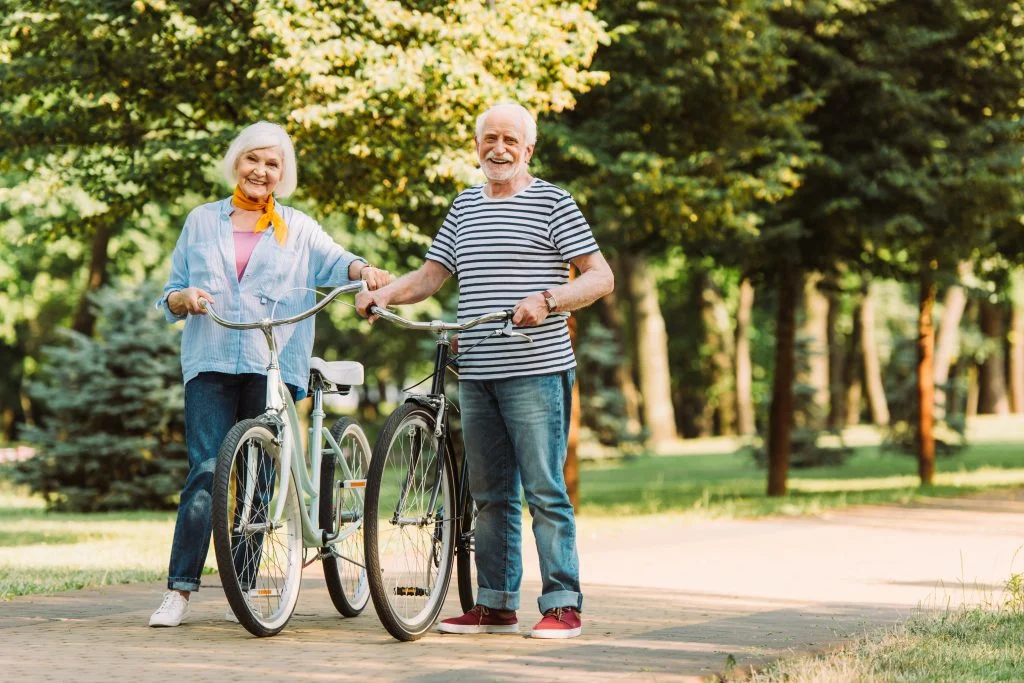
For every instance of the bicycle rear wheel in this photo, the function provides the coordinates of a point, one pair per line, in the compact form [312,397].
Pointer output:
[411,522]
[259,558]
[341,509]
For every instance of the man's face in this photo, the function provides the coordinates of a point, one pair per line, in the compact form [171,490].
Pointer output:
[502,147]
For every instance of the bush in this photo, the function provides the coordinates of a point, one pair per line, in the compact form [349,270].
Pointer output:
[111,428]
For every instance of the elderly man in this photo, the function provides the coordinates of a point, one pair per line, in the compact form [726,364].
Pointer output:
[510,242]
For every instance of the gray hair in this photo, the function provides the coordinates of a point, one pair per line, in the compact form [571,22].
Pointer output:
[262,135]
[529,124]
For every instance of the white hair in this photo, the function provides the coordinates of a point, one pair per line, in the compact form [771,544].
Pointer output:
[529,124]
[262,135]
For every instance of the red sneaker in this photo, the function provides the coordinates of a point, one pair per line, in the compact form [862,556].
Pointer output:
[560,622]
[482,619]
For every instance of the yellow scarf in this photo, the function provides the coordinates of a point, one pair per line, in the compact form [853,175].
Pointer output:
[269,217]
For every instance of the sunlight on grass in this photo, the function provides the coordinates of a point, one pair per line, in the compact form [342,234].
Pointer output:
[731,485]
[965,644]
[44,552]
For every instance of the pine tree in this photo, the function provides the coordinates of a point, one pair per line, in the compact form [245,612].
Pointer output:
[112,431]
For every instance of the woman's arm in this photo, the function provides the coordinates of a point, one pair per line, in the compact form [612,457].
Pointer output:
[332,265]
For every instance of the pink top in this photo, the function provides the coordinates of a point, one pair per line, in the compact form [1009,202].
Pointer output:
[245,242]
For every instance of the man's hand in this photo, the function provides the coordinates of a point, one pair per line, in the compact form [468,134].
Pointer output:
[531,311]
[375,278]
[188,300]
[366,298]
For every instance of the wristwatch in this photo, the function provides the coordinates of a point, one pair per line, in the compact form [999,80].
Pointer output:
[549,299]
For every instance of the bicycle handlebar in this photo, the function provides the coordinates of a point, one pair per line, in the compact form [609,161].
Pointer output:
[267,323]
[440,325]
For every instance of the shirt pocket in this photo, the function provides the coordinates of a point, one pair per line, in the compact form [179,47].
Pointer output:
[279,278]
[206,266]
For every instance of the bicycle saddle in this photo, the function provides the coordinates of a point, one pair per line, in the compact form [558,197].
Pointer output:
[342,373]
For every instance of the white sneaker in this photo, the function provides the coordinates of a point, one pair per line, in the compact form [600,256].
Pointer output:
[230,615]
[172,610]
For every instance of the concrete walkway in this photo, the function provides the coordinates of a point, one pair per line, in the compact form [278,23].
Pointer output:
[666,599]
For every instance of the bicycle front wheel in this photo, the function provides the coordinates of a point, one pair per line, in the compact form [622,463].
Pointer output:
[411,522]
[259,557]
[464,555]
[342,488]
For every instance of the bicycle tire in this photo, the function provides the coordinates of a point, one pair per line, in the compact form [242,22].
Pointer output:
[464,554]
[345,575]
[261,591]
[410,559]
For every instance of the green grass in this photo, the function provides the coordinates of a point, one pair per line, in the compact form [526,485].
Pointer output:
[42,552]
[731,485]
[967,644]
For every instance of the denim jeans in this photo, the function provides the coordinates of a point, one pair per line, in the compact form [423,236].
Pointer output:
[517,430]
[214,402]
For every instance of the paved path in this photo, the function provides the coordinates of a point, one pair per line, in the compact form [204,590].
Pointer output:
[666,599]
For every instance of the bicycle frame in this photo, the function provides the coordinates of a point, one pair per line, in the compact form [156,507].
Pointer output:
[436,400]
[282,418]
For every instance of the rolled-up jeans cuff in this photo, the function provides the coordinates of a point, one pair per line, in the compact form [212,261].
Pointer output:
[179,584]
[560,599]
[493,599]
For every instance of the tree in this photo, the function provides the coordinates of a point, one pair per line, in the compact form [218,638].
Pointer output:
[114,437]
[114,114]
[920,109]
[684,143]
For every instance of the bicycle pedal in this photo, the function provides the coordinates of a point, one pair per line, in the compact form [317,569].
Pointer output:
[353,484]
[410,591]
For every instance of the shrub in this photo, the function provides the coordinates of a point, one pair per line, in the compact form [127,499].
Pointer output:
[111,428]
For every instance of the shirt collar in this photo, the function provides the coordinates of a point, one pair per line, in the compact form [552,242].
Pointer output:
[225,208]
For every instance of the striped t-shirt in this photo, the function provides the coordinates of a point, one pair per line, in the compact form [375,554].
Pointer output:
[503,250]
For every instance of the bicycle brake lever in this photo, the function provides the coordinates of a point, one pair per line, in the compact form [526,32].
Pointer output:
[507,331]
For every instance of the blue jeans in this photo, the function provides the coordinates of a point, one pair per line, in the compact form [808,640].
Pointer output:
[517,429]
[214,402]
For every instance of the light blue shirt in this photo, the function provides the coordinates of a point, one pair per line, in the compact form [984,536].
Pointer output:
[278,278]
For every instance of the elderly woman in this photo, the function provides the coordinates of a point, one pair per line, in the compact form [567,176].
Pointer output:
[248,256]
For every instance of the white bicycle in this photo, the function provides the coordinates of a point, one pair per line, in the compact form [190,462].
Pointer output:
[272,503]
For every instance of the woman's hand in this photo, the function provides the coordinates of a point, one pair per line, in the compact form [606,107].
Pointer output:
[188,300]
[375,278]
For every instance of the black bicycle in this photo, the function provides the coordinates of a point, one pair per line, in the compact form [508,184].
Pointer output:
[419,517]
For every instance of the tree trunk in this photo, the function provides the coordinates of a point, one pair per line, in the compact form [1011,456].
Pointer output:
[992,398]
[1016,365]
[836,364]
[853,370]
[571,469]
[718,337]
[814,331]
[872,365]
[744,367]
[947,343]
[926,380]
[780,420]
[652,355]
[611,317]
[85,320]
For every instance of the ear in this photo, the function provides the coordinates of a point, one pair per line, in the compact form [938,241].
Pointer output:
[528,154]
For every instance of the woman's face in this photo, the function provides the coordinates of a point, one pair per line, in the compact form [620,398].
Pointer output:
[259,172]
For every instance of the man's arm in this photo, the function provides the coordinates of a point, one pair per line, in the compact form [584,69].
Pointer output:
[595,281]
[408,289]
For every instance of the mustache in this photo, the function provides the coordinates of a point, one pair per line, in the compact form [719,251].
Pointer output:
[492,156]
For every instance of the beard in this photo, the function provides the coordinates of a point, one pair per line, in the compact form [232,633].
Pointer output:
[502,173]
